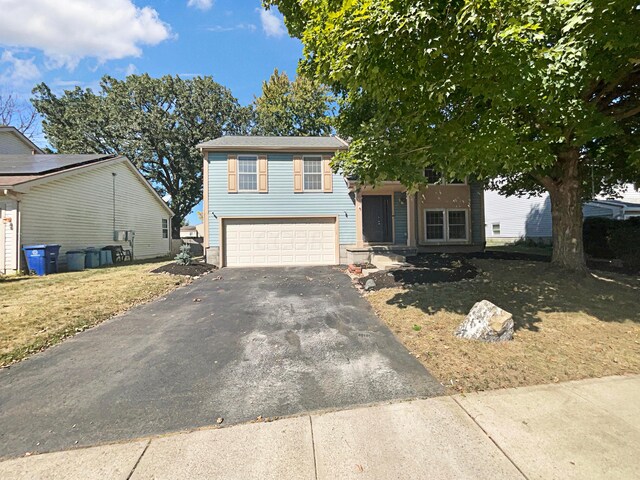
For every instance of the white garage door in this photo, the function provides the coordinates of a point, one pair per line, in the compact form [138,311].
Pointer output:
[272,242]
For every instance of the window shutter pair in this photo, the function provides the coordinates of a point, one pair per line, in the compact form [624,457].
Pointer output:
[327,174]
[232,174]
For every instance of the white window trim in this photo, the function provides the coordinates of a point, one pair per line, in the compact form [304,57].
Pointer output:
[165,229]
[493,228]
[445,212]
[238,173]
[313,157]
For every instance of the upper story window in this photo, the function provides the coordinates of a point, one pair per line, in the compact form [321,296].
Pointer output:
[312,174]
[247,173]
[435,177]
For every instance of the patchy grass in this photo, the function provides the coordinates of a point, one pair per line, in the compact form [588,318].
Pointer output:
[542,250]
[37,312]
[566,329]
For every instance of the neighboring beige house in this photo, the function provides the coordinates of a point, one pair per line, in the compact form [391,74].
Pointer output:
[78,201]
[192,231]
[14,142]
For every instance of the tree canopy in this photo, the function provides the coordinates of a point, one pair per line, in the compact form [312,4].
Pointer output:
[542,94]
[292,108]
[155,122]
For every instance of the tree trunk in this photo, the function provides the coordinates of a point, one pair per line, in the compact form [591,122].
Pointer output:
[176,223]
[566,214]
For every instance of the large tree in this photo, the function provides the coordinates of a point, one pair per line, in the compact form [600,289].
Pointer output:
[544,94]
[156,122]
[18,113]
[298,107]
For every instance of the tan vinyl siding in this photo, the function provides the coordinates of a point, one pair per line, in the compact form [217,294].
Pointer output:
[76,211]
[8,234]
[10,144]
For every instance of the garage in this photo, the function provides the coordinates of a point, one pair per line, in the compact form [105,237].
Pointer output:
[254,242]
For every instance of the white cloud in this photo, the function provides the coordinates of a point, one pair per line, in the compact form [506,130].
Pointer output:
[271,23]
[130,70]
[17,71]
[200,4]
[68,31]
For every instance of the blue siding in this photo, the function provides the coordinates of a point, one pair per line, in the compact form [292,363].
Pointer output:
[281,199]
[400,217]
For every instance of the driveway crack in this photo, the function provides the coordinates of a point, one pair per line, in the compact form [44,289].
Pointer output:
[313,446]
[138,461]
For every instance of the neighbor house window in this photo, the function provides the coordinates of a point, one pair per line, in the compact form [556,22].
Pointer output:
[495,228]
[445,225]
[457,223]
[165,228]
[312,174]
[247,173]
[435,224]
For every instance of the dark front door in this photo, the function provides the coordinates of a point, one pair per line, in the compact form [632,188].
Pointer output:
[376,219]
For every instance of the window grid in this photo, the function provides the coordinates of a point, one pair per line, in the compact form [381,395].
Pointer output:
[457,224]
[248,173]
[312,173]
[446,225]
[495,228]
[435,224]
[165,228]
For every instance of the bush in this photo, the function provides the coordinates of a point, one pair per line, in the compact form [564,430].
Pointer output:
[184,257]
[624,243]
[596,233]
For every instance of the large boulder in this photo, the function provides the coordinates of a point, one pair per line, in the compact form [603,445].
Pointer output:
[486,322]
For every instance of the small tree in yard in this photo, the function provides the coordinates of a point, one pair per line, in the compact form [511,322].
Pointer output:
[155,122]
[544,94]
[184,256]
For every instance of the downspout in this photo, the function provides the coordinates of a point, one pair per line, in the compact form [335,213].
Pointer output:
[113,174]
[19,236]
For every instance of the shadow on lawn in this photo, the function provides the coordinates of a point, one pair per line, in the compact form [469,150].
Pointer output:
[529,290]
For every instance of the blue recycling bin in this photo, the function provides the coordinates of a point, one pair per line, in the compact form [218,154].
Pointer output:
[105,257]
[42,259]
[75,260]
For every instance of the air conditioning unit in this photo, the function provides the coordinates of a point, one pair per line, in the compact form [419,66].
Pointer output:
[124,235]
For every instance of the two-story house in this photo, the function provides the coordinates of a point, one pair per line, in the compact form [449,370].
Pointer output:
[272,201]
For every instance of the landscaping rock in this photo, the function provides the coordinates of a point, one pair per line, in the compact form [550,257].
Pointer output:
[486,322]
[369,285]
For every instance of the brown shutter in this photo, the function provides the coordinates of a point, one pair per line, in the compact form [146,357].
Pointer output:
[297,173]
[263,181]
[327,173]
[232,174]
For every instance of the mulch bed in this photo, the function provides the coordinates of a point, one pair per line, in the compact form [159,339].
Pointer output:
[425,269]
[193,270]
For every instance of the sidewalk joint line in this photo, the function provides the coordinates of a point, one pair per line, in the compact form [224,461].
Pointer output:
[313,446]
[491,438]
[144,450]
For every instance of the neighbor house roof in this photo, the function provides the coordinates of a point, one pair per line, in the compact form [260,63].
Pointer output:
[258,143]
[18,169]
[17,172]
[22,137]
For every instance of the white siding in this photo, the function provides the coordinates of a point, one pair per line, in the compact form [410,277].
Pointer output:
[11,144]
[76,211]
[518,216]
[630,195]
[8,234]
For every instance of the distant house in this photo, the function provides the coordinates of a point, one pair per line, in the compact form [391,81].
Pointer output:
[192,231]
[511,218]
[78,201]
[14,142]
[276,201]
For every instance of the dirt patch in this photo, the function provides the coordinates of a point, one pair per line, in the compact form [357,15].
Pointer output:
[566,328]
[424,269]
[193,270]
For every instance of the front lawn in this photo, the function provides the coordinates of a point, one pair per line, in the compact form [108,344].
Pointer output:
[565,329]
[36,312]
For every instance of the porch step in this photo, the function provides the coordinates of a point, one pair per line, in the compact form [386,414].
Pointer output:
[386,261]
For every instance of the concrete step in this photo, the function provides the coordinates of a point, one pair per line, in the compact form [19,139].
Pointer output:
[386,261]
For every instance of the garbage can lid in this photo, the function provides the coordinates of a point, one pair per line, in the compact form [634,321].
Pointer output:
[75,251]
[34,247]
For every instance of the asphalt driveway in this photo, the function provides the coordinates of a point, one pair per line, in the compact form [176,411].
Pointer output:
[269,342]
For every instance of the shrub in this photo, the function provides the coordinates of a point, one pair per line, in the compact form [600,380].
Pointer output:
[624,243]
[184,257]
[596,233]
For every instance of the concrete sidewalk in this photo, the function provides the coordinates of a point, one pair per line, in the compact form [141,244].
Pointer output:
[584,429]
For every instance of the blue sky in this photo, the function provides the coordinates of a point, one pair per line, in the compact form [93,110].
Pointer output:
[76,42]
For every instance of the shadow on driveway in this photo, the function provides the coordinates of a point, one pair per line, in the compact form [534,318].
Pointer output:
[270,342]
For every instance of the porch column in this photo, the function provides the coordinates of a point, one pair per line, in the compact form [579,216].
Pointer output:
[359,240]
[411,219]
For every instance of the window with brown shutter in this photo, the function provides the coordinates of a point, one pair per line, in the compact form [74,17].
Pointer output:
[232,174]
[327,174]
[263,179]
[297,173]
